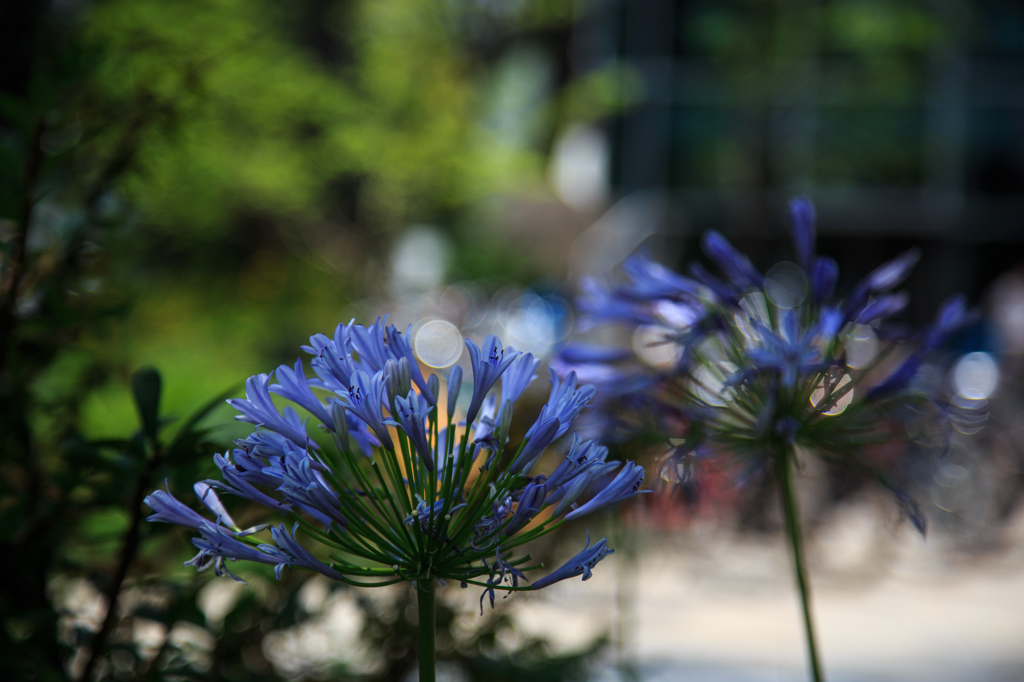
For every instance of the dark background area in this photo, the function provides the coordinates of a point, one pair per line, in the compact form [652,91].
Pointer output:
[903,121]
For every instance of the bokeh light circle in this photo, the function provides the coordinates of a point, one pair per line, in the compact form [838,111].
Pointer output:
[836,405]
[975,376]
[438,343]
[785,285]
[651,345]
[535,323]
[861,345]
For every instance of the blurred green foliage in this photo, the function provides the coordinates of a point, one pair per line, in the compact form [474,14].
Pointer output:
[253,106]
[198,187]
[274,150]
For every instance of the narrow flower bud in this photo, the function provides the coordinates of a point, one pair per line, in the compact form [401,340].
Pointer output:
[433,386]
[801,216]
[397,379]
[543,433]
[208,497]
[340,423]
[454,388]
[504,422]
[824,275]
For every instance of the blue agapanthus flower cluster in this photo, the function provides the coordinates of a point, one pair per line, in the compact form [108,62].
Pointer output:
[760,362]
[391,484]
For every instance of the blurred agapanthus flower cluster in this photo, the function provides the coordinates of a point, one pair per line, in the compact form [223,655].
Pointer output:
[761,363]
[387,488]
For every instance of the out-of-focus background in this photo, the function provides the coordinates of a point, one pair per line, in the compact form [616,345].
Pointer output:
[198,186]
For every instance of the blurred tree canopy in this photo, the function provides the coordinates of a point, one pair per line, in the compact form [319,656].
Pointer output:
[267,107]
[250,161]
[198,186]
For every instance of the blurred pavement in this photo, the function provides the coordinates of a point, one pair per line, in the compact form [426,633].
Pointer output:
[706,604]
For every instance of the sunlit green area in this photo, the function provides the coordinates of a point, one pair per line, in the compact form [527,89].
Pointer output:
[240,169]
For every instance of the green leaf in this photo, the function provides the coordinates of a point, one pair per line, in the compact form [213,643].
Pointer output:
[146,391]
[189,435]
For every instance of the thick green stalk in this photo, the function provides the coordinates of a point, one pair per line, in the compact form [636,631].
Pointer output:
[791,512]
[426,625]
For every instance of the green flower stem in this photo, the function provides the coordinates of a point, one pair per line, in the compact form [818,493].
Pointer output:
[386,492]
[785,461]
[425,605]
